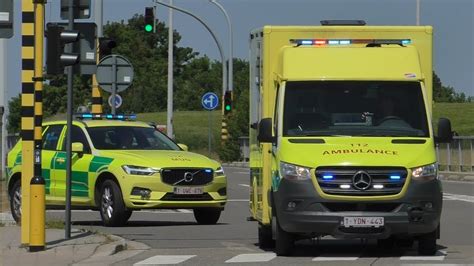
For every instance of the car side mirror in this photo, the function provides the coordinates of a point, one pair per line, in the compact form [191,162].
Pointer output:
[78,147]
[265,134]
[184,147]
[445,134]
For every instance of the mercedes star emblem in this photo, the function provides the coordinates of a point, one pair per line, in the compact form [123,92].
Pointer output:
[361,180]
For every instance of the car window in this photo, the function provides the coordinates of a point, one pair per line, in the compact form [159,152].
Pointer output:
[129,138]
[51,137]
[78,136]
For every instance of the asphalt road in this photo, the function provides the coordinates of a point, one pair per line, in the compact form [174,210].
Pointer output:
[175,238]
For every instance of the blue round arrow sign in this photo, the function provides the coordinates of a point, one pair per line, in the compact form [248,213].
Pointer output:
[210,101]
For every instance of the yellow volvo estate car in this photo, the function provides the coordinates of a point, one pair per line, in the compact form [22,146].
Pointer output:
[122,166]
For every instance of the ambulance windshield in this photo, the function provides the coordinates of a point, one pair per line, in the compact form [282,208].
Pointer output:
[129,138]
[354,108]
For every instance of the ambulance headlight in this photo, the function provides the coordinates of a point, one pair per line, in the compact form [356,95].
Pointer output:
[219,172]
[139,170]
[425,173]
[294,172]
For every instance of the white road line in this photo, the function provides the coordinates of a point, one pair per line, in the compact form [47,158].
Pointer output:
[165,259]
[244,185]
[440,255]
[242,173]
[322,258]
[465,198]
[238,200]
[252,257]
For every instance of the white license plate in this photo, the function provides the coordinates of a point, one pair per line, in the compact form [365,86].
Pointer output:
[188,190]
[363,221]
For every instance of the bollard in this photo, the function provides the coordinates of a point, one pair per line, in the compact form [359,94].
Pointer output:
[37,214]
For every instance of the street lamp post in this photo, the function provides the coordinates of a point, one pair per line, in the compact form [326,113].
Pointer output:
[231,57]
[219,46]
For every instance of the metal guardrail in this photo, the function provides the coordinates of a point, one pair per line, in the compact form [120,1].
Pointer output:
[457,156]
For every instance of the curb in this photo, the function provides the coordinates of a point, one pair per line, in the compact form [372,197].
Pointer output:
[120,249]
[118,244]
[236,164]
[457,176]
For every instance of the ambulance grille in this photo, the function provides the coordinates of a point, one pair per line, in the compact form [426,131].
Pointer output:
[339,180]
[176,176]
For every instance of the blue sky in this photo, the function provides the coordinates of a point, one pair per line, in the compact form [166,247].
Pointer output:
[452,21]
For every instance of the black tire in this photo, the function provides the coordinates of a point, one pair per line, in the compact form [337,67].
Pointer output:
[111,206]
[405,242]
[15,201]
[284,241]
[207,215]
[427,244]
[386,243]
[265,238]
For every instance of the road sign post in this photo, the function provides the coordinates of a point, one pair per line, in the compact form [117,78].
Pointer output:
[114,74]
[209,102]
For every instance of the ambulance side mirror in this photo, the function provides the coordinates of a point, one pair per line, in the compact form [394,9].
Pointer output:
[265,134]
[445,134]
[184,147]
[78,147]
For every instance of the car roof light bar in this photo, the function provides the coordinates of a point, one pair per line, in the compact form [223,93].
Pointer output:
[319,42]
[122,117]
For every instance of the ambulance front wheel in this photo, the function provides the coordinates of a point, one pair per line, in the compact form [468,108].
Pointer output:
[112,208]
[15,201]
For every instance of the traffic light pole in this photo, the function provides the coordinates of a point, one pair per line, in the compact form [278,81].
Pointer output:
[219,46]
[69,48]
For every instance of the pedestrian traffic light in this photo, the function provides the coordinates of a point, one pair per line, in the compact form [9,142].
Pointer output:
[57,38]
[149,19]
[105,47]
[227,102]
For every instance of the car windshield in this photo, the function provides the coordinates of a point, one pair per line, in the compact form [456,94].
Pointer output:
[130,138]
[354,108]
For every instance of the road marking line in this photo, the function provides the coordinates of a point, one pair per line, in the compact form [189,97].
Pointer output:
[252,257]
[322,258]
[244,185]
[165,259]
[465,198]
[238,200]
[440,255]
[242,173]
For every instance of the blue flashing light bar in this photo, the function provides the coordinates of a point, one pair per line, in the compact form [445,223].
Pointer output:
[395,177]
[208,171]
[328,176]
[106,116]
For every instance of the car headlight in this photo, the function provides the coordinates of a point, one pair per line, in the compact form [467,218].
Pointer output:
[219,171]
[425,173]
[294,172]
[139,170]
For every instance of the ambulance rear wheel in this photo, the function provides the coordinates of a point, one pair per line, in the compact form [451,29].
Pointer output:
[207,215]
[15,201]
[112,208]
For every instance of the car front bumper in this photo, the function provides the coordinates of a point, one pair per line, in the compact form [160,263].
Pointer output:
[300,209]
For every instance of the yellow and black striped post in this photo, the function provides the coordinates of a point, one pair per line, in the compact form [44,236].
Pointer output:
[96,93]
[37,189]
[27,113]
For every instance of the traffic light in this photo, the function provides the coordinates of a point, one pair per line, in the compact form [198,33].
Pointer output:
[227,102]
[56,59]
[105,47]
[149,19]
